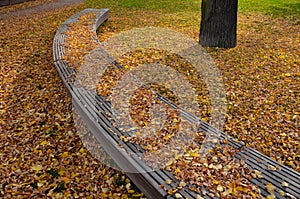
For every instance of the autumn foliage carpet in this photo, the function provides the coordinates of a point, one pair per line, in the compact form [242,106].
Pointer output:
[41,154]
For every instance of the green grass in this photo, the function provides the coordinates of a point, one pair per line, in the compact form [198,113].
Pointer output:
[284,8]
[277,8]
[162,5]
[155,5]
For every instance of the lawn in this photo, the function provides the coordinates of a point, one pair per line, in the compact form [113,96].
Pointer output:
[41,154]
[278,8]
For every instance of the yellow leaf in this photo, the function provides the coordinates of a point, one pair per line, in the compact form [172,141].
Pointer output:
[270,197]
[284,184]
[131,191]
[61,172]
[281,192]
[177,170]
[291,164]
[137,195]
[194,155]
[44,143]
[82,150]
[227,192]
[65,154]
[65,179]
[127,181]
[168,181]
[253,194]
[220,188]
[270,188]
[36,167]
[257,174]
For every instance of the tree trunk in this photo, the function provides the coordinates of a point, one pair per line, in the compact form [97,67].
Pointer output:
[218,23]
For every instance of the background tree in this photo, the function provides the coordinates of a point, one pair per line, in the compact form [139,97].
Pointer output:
[218,23]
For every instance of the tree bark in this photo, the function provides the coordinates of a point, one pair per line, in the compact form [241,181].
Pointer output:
[218,23]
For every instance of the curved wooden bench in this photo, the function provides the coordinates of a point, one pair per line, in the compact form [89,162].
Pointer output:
[150,182]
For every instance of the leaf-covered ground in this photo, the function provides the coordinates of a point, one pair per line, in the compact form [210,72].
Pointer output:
[41,154]
[262,76]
